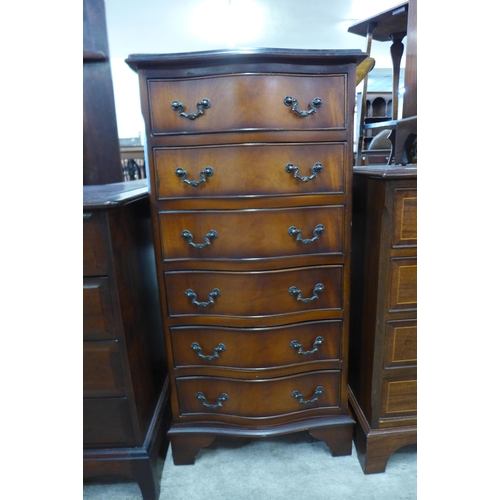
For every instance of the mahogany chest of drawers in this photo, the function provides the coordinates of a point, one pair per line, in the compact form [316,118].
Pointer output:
[249,157]
[125,384]
[383,342]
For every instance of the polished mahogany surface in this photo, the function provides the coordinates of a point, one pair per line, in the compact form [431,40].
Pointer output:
[250,156]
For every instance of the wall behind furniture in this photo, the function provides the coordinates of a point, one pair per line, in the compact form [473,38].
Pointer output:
[163,26]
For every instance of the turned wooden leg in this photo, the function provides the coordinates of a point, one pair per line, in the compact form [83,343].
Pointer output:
[338,439]
[147,478]
[397,49]
[185,447]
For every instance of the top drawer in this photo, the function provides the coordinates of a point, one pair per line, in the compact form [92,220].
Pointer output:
[247,103]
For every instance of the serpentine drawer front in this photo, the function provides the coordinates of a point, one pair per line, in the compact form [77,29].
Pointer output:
[254,294]
[250,158]
[265,170]
[259,399]
[251,234]
[259,102]
[252,348]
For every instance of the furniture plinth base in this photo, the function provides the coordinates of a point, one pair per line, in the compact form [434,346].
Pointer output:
[137,465]
[140,463]
[187,440]
[374,447]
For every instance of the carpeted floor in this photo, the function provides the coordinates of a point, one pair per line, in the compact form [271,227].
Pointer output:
[291,467]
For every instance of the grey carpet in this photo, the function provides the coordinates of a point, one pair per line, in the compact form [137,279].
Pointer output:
[291,467]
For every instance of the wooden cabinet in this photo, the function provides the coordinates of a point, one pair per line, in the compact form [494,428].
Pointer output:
[101,150]
[249,163]
[383,343]
[125,383]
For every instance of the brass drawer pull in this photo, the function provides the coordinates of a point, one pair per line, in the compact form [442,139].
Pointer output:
[294,103]
[319,229]
[220,399]
[197,348]
[200,106]
[316,169]
[211,296]
[317,289]
[180,172]
[211,235]
[319,390]
[295,345]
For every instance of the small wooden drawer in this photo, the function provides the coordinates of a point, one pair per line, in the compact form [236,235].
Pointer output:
[401,343]
[247,102]
[405,218]
[403,284]
[254,294]
[250,348]
[251,234]
[259,398]
[106,423]
[98,319]
[398,398]
[250,170]
[94,255]
[102,369]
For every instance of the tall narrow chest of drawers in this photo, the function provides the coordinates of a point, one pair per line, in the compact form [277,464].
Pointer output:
[249,157]
[125,384]
[383,343]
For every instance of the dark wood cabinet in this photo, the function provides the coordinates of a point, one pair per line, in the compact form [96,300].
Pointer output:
[101,149]
[125,383]
[250,156]
[383,341]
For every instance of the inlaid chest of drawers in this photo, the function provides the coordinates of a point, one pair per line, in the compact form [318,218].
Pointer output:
[383,337]
[249,156]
